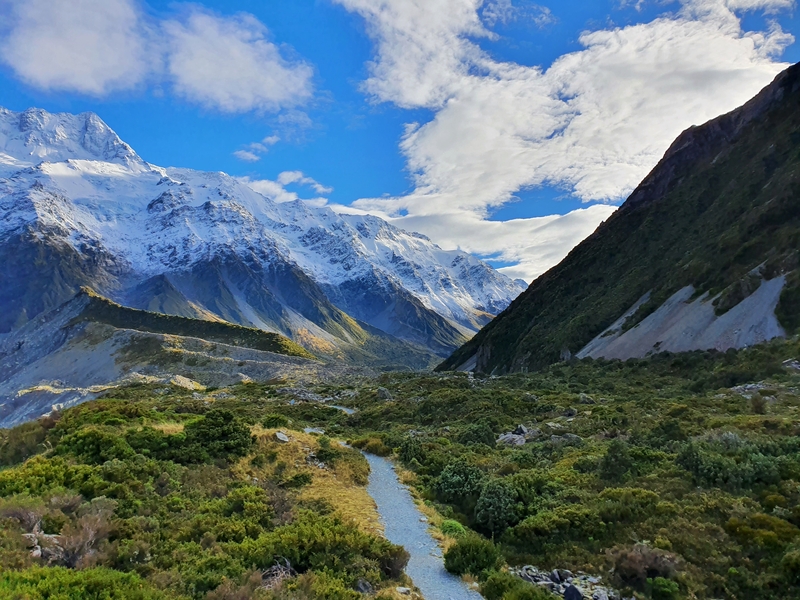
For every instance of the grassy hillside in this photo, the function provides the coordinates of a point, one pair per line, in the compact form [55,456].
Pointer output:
[723,202]
[102,310]
[673,478]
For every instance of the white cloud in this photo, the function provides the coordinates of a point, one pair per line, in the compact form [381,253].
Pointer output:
[276,190]
[253,152]
[289,177]
[228,64]
[594,123]
[96,47]
[504,11]
[247,156]
[89,46]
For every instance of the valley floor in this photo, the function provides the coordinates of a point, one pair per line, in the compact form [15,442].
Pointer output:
[671,477]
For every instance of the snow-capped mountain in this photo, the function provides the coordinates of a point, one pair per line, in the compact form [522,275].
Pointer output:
[79,207]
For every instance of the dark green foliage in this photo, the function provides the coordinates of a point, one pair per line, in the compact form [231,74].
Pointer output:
[473,555]
[275,421]
[479,433]
[496,506]
[459,481]
[218,434]
[504,586]
[24,441]
[95,445]
[102,310]
[617,464]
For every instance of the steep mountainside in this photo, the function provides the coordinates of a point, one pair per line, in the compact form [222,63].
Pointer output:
[703,254]
[78,207]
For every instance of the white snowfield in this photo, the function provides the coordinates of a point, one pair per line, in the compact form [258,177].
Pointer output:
[73,174]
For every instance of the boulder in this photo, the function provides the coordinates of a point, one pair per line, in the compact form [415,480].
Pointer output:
[520,430]
[281,437]
[511,439]
[403,591]
[384,394]
[364,587]
[572,593]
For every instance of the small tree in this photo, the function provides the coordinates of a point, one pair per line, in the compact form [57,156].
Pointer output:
[496,507]
[459,483]
[617,464]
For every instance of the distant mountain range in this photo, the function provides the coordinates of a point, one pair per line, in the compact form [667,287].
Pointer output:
[78,207]
[703,255]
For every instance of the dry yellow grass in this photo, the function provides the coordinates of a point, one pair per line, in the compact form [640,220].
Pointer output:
[408,478]
[339,487]
[168,428]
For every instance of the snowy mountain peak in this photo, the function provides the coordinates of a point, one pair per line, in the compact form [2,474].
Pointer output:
[225,250]
[36,136]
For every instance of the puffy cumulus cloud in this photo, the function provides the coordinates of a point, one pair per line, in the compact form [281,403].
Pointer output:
[228,64]
[276,190]
[593,123]
[99,46]
[89,46]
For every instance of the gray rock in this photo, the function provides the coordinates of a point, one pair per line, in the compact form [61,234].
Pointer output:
[384,394]
[511,439]
[574,440]
[364,587]
[599,595]
[404,591]
[281,437]
[572,593]
[547,584]
[533,434]
[520,430]
[570,412]
[585,399]
[555,576]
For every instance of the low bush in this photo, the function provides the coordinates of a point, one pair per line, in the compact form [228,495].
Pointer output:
[472,554]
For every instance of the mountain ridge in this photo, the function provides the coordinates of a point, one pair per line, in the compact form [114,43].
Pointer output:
[718,213]
[79,207]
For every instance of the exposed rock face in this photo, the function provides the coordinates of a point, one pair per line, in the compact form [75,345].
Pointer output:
[699,257]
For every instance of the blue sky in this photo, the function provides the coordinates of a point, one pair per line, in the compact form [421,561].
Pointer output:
[476,122]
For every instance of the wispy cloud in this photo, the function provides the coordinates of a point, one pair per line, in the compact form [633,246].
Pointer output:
[253,152]
[97,47]
[276,189]
[593,123]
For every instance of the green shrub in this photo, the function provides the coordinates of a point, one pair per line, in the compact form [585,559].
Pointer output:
[275,421]
[94,445]
[499,583]
[617,464]
[663,589]
[790,564]
[452,528]
[472,554]
[218,434]
[496,507]
[57,583]
[478,433]
[459,482]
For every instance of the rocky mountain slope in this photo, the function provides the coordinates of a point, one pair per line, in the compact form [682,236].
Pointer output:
[703,255]
[78,207]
